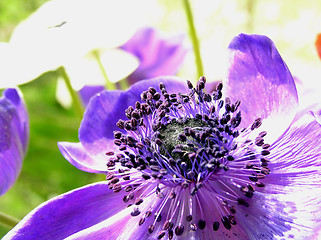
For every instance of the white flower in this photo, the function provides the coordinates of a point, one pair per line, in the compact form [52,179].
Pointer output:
[62,31]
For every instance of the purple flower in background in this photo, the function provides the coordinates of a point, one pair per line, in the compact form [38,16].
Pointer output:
[14,137]
[158,56]
[239,163]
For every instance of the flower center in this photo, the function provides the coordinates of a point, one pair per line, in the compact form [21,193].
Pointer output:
[175,141]
[180,142]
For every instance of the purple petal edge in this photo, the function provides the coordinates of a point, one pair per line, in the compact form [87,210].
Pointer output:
[158,55]
[260,79]
[77,156]
[87,92]
[68,213]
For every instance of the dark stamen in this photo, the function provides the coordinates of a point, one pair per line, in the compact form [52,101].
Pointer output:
[161,234]
[135,212]
[216,226]
[226,223]
[201,224]
[179,230]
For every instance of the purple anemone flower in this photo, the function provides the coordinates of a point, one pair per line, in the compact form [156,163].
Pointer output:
[180,163]
[14,137]
[158,56]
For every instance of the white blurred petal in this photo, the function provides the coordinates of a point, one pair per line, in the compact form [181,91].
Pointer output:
[119,64]
[17,67]
[61,31]
[83,71]
[62,94]
[79,25]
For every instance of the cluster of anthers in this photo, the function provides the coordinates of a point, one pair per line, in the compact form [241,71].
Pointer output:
[189,151]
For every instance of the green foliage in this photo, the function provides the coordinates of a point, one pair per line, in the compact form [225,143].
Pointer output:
[14,11]
[45,172]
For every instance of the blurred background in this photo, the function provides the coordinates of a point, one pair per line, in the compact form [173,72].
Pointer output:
[292,24]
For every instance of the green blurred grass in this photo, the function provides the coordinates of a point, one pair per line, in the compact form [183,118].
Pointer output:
[45,172]
[12,12]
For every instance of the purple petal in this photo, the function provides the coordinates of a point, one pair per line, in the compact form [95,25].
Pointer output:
[69,213]
[106,108]
[14,128]
[260,79]
[298,153]
[211,86]
[158,56]
[318,234]
[77,156]
[111,227]
[87,92]
[295,164]
[123,226]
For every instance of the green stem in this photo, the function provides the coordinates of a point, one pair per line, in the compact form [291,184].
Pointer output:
[109,85]
[193,36]
[77,104]
[8,221]
[123,84]
[250,12]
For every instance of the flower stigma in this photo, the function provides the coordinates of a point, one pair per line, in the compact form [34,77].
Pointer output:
[184,160]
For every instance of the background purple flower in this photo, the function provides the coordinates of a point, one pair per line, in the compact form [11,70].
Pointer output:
[158,56]
[262,191]
[14,128]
